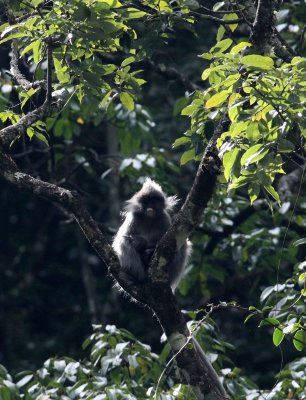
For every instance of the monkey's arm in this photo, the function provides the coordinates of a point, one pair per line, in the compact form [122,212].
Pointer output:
[129,250]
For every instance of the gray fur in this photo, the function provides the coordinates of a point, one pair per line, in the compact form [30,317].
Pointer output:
[139,234]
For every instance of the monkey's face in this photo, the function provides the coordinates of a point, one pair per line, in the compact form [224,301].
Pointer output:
[152,205]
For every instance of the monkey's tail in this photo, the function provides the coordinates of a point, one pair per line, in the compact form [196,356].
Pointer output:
[218,387]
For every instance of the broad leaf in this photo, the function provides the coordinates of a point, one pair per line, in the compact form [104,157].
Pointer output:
[217,99]
[258,61]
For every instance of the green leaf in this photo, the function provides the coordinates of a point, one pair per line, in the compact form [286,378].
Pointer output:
[189,110]
[36,3]
[221,46]
[258,61]
[248,317]
[180,141]
[27,49]
[270,189]
[106,101]
[253,154]
[242,180]
[285,146]
[220,33]
[237,128]
[240,46]
[231,16]
[60,71]
[205,73]
[299,340]
[127,101]
[5,393]
[37,51]
[217,99]
[180,104]
[269,321]
[252,131]
[133,13]
[229,160]
[12,36]
[302,277]
[30,132]
[253,191]
[127,61]
[42,137]
[278,336]
[188,156]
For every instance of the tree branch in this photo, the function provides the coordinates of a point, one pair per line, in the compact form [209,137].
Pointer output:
[8,134]
[17,75]
[264,35]
[262,31]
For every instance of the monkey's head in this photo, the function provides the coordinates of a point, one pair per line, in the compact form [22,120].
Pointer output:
[150,201]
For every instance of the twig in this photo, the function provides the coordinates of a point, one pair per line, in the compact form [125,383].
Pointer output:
[215,19]
[49,72]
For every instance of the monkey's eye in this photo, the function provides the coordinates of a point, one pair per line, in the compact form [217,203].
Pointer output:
[154,202]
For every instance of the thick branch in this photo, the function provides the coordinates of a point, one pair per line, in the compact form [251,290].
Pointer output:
[262,31]
[196,201]
[8,134]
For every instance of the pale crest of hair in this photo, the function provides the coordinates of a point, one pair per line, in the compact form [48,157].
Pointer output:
[150,185]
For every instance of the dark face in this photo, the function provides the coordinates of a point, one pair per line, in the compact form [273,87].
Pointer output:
[152,205]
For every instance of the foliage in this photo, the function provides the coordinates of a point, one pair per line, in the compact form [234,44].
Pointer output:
[264,105]
[121,367]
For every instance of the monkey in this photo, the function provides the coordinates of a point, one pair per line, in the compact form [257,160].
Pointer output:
[146,220]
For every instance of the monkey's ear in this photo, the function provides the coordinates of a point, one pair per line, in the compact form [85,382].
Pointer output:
[171,202]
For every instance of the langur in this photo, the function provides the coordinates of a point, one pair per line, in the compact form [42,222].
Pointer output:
[146,221]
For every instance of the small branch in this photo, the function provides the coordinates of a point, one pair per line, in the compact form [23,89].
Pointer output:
[216,19]
[26,16]
[282,48]
[49,72]
[220,11]
[15,71]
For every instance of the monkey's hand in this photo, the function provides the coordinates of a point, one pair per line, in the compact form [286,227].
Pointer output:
[146,256]
[138,242]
